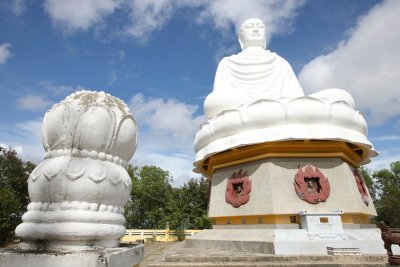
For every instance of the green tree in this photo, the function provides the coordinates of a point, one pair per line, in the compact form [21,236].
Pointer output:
[151,192]
[10,208]
[387,190]
[194,195]
[188,208]
[155,203]
[13,192]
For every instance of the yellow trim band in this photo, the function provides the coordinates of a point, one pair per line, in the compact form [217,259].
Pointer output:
[347,218]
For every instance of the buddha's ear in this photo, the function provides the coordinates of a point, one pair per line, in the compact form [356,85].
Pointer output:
[241,43]
[265,39]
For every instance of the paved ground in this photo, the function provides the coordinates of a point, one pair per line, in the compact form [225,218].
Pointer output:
[153,252]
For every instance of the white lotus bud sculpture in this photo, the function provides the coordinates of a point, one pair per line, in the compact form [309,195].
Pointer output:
[79,191]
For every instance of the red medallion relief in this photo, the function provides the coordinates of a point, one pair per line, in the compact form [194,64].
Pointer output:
[361,187]
[238,189]
[311,185]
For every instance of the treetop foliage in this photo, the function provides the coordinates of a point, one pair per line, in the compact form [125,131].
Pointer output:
[154,203]
[384,187]
[13,192]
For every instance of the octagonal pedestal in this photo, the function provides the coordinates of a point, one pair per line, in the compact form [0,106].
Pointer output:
[284,183]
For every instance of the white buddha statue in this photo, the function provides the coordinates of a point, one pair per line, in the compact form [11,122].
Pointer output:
[257,99]
[256,73]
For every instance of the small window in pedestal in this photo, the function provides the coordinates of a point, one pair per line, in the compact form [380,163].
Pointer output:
[244,220]
[323,219]
[228,221]
[260,220]
[293,219]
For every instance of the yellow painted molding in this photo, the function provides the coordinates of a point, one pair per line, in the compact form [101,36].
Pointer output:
[285,149]
[257,219]
[355,218]
[347,218]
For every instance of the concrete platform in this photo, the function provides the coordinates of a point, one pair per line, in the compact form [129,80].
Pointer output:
[286,241]
[125,256]
[179,255]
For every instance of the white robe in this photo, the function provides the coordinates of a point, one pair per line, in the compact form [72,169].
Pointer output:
[256,74]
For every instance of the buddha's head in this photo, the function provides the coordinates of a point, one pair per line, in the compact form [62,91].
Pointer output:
[252,33]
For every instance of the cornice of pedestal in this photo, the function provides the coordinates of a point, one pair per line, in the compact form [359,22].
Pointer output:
[349,153]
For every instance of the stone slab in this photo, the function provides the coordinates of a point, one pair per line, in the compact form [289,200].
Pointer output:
[111,257]
[298,242]
[343,251]
[323,225]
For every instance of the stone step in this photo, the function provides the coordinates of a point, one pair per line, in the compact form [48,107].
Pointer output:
[183,256]
[268,264]
[273,258]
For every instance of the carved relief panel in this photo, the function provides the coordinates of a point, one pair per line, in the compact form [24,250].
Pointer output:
[361,187]
[238,189]
[311,185]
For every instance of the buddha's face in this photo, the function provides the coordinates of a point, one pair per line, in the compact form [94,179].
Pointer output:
[252,33]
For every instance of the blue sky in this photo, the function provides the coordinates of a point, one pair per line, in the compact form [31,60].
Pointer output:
[160,57]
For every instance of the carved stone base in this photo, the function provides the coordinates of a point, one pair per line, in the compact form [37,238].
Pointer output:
[70,229]
[75,213]
[112,257]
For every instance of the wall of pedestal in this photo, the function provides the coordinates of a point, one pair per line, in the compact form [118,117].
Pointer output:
[273,190]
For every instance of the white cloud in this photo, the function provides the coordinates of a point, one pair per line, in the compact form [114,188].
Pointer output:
[171,124]
[17,149]
[118,66]
[148,16]
[40,103]
[73,15]
[276,14]
[25,138]
[386,157]
[30,133]
[179,166]
[166,134]
[113,76]
[33,103]
[366,64]
[145,17]
[31,127]
[18,7]
[5,52]
[59,90]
